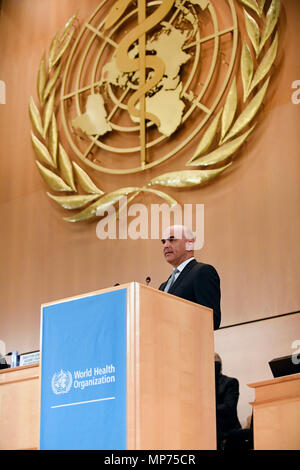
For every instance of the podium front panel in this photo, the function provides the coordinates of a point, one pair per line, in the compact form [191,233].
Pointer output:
[129,367]
[83,373]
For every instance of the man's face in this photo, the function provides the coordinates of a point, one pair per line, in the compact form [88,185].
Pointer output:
[175,246]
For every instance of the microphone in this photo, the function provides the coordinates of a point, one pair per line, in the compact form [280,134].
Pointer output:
[117,284]
[148,280]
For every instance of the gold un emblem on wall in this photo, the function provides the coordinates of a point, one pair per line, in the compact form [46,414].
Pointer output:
[146,82]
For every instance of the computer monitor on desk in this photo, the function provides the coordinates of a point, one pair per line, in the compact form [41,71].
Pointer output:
[285,365]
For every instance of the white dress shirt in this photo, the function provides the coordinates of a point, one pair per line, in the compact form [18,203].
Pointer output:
[182,266]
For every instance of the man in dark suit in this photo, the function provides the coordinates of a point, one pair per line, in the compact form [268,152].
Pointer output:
[190,280]
[227,395]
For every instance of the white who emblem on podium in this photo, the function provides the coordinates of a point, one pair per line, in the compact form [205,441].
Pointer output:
[61,382]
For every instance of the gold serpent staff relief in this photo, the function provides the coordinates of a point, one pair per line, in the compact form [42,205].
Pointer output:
[141,83]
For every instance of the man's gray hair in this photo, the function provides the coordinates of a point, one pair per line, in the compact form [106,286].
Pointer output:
[180,230]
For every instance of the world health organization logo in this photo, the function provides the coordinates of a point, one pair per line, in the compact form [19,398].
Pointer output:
[146,84]
[61,382]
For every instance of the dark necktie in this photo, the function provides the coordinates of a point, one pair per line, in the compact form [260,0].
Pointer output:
[171,280]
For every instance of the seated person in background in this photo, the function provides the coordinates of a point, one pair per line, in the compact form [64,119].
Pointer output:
[227,395]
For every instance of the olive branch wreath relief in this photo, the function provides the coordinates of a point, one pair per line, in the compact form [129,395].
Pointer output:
[215,152]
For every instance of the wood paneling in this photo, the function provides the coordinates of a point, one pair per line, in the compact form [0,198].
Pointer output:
[276,413]
[176,373]
[20,408]
[251,213]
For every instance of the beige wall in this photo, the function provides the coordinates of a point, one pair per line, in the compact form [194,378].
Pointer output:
[252,222]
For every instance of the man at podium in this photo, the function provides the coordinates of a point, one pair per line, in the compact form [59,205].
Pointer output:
[190,280]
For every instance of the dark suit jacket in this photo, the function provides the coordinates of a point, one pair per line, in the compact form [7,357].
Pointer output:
[227,395]
[199,283]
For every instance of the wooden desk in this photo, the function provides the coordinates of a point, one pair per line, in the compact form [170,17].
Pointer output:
[276,413]
[19,408]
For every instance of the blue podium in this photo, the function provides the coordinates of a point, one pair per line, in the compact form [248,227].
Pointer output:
[126,368]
